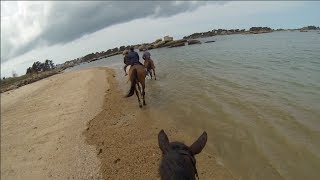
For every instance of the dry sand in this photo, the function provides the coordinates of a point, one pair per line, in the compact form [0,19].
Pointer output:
[78,125]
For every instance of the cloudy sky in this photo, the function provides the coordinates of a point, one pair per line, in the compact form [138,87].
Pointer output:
[62,31]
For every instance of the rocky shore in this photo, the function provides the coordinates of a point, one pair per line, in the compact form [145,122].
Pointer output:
[169,42]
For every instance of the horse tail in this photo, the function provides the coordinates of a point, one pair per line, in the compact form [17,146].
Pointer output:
[134,81]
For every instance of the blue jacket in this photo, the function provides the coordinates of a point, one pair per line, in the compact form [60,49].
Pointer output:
[133,57]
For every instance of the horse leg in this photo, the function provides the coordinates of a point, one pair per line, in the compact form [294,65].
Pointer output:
[154,73]
[143,92]
[137,93]
[139,87]
[150,72]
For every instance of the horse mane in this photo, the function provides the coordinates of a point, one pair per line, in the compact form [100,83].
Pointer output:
[178,163]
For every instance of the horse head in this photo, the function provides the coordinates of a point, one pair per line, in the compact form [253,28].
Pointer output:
[178,161]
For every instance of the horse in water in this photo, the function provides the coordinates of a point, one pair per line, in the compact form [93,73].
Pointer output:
[149,65]
[178,161]
[137,76]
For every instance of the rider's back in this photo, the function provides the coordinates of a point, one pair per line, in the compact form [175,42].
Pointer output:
[133,57]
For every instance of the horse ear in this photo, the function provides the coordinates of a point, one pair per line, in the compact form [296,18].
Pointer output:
[163,142]
[199,144]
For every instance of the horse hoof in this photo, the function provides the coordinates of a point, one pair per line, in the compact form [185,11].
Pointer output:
[144,104]
[140,106]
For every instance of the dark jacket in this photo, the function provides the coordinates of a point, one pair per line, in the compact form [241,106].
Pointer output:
[133,58]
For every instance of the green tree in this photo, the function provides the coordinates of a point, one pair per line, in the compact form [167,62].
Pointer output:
[29,70]
[39,66]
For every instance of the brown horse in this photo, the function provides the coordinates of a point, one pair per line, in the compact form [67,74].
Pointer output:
[178,161]
[149,65]
[137,75]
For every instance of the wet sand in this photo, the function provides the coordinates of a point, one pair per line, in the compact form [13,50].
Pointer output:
[78,125]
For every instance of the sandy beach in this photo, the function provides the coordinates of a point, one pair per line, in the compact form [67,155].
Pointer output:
[78,125]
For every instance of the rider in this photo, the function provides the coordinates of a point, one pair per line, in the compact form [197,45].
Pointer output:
[125,60]
[133,57]
[146,56]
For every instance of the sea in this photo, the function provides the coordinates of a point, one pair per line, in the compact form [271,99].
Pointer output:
[256,95]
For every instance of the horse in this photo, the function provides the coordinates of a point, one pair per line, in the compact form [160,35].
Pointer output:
[178,161]
[149,65]
[137,74]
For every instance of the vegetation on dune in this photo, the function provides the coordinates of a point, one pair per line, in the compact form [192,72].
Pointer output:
[34,73]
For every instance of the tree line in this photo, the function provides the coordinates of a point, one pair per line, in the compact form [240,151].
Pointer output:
[38,66]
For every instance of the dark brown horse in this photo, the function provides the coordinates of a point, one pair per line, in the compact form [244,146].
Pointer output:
[178,161]
[149,65]
[137,75]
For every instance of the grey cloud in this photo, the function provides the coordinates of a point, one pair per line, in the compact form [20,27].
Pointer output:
[72,21]
[68,21]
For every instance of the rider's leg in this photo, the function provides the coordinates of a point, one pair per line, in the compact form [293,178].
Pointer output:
[125,68]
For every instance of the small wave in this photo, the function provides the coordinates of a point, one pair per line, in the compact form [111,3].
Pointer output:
[315,62]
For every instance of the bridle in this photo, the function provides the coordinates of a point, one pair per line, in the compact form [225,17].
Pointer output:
[191,157]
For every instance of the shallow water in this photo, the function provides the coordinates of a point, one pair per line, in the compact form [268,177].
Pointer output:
[257,96]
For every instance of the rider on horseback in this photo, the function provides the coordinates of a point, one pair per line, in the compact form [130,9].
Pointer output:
[148,63]
[147,58]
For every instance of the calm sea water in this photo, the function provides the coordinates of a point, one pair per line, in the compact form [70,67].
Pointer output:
[257,96]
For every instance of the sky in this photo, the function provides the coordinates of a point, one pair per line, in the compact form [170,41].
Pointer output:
[61,31]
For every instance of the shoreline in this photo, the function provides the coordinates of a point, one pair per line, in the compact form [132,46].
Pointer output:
[125,139]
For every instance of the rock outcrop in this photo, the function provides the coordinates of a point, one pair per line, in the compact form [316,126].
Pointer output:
[167,39]
[209,41]
[177,44]
[174,42]
[157,41]
[142,47]
[310,28]
[193,41]
[258,30]
[159,44]
[214,32]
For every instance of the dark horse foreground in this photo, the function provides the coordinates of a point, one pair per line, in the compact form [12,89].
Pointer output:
[137,75]
[178,161]
[149,65]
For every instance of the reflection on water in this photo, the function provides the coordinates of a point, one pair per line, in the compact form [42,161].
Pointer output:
[257,96]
